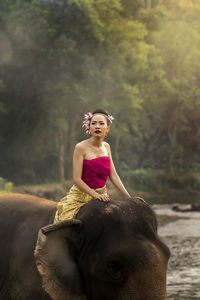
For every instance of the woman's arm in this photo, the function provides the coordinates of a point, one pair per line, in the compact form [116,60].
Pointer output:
[78,157]
[114,177]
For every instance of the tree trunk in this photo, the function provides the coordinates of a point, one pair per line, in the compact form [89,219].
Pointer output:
[117,143]
[70,136]
[171,141]
[148,5]
[72,122]
[61,157]
[149,147]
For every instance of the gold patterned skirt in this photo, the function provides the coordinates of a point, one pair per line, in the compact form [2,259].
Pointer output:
[69,205]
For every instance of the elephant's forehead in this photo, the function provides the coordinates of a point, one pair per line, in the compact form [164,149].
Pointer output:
[114,208]
[111,208]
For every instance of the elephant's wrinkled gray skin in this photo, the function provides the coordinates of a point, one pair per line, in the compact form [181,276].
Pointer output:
[21,216]
[110,252]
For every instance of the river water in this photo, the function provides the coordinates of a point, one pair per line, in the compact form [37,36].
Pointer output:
[183,239]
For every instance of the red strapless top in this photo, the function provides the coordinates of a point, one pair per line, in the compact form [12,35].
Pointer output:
[96,171]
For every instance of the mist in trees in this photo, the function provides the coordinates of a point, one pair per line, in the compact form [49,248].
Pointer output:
[137,59]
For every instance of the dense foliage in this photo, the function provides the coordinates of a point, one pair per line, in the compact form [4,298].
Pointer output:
[138,59]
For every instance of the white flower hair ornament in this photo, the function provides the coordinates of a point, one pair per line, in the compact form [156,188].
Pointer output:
[110,118]
[86,121]
[87,117]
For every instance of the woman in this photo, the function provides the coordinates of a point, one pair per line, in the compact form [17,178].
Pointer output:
[92,165]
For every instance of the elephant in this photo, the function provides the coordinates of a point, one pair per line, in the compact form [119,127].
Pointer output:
[110,251]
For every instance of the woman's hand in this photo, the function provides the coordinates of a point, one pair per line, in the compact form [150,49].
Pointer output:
[102,197]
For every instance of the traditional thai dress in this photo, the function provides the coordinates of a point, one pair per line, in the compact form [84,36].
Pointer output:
[95,174]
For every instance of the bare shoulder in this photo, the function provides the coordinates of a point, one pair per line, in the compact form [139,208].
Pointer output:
[81,146]
[107,146]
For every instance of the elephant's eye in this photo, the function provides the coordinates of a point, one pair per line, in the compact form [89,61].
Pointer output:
[115,270]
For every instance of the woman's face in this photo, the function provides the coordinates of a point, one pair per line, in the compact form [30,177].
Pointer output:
[99,126]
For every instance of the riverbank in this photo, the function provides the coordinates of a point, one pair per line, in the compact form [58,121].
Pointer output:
[55,191]
[51,191]
[164,220]
[171,196]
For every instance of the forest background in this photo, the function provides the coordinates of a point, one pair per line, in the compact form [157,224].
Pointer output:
[139,59]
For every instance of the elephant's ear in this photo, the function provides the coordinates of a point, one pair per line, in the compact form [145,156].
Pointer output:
[55,256]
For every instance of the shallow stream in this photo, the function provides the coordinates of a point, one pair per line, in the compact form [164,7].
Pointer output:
[183,239]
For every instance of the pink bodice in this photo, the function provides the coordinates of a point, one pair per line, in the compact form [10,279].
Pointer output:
[96,171]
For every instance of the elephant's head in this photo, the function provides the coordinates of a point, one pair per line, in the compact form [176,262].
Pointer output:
[110,252]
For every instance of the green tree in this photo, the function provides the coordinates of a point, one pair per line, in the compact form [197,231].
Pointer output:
[179,47]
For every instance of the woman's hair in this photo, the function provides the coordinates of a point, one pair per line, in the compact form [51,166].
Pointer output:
[88,117]
[103,112]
